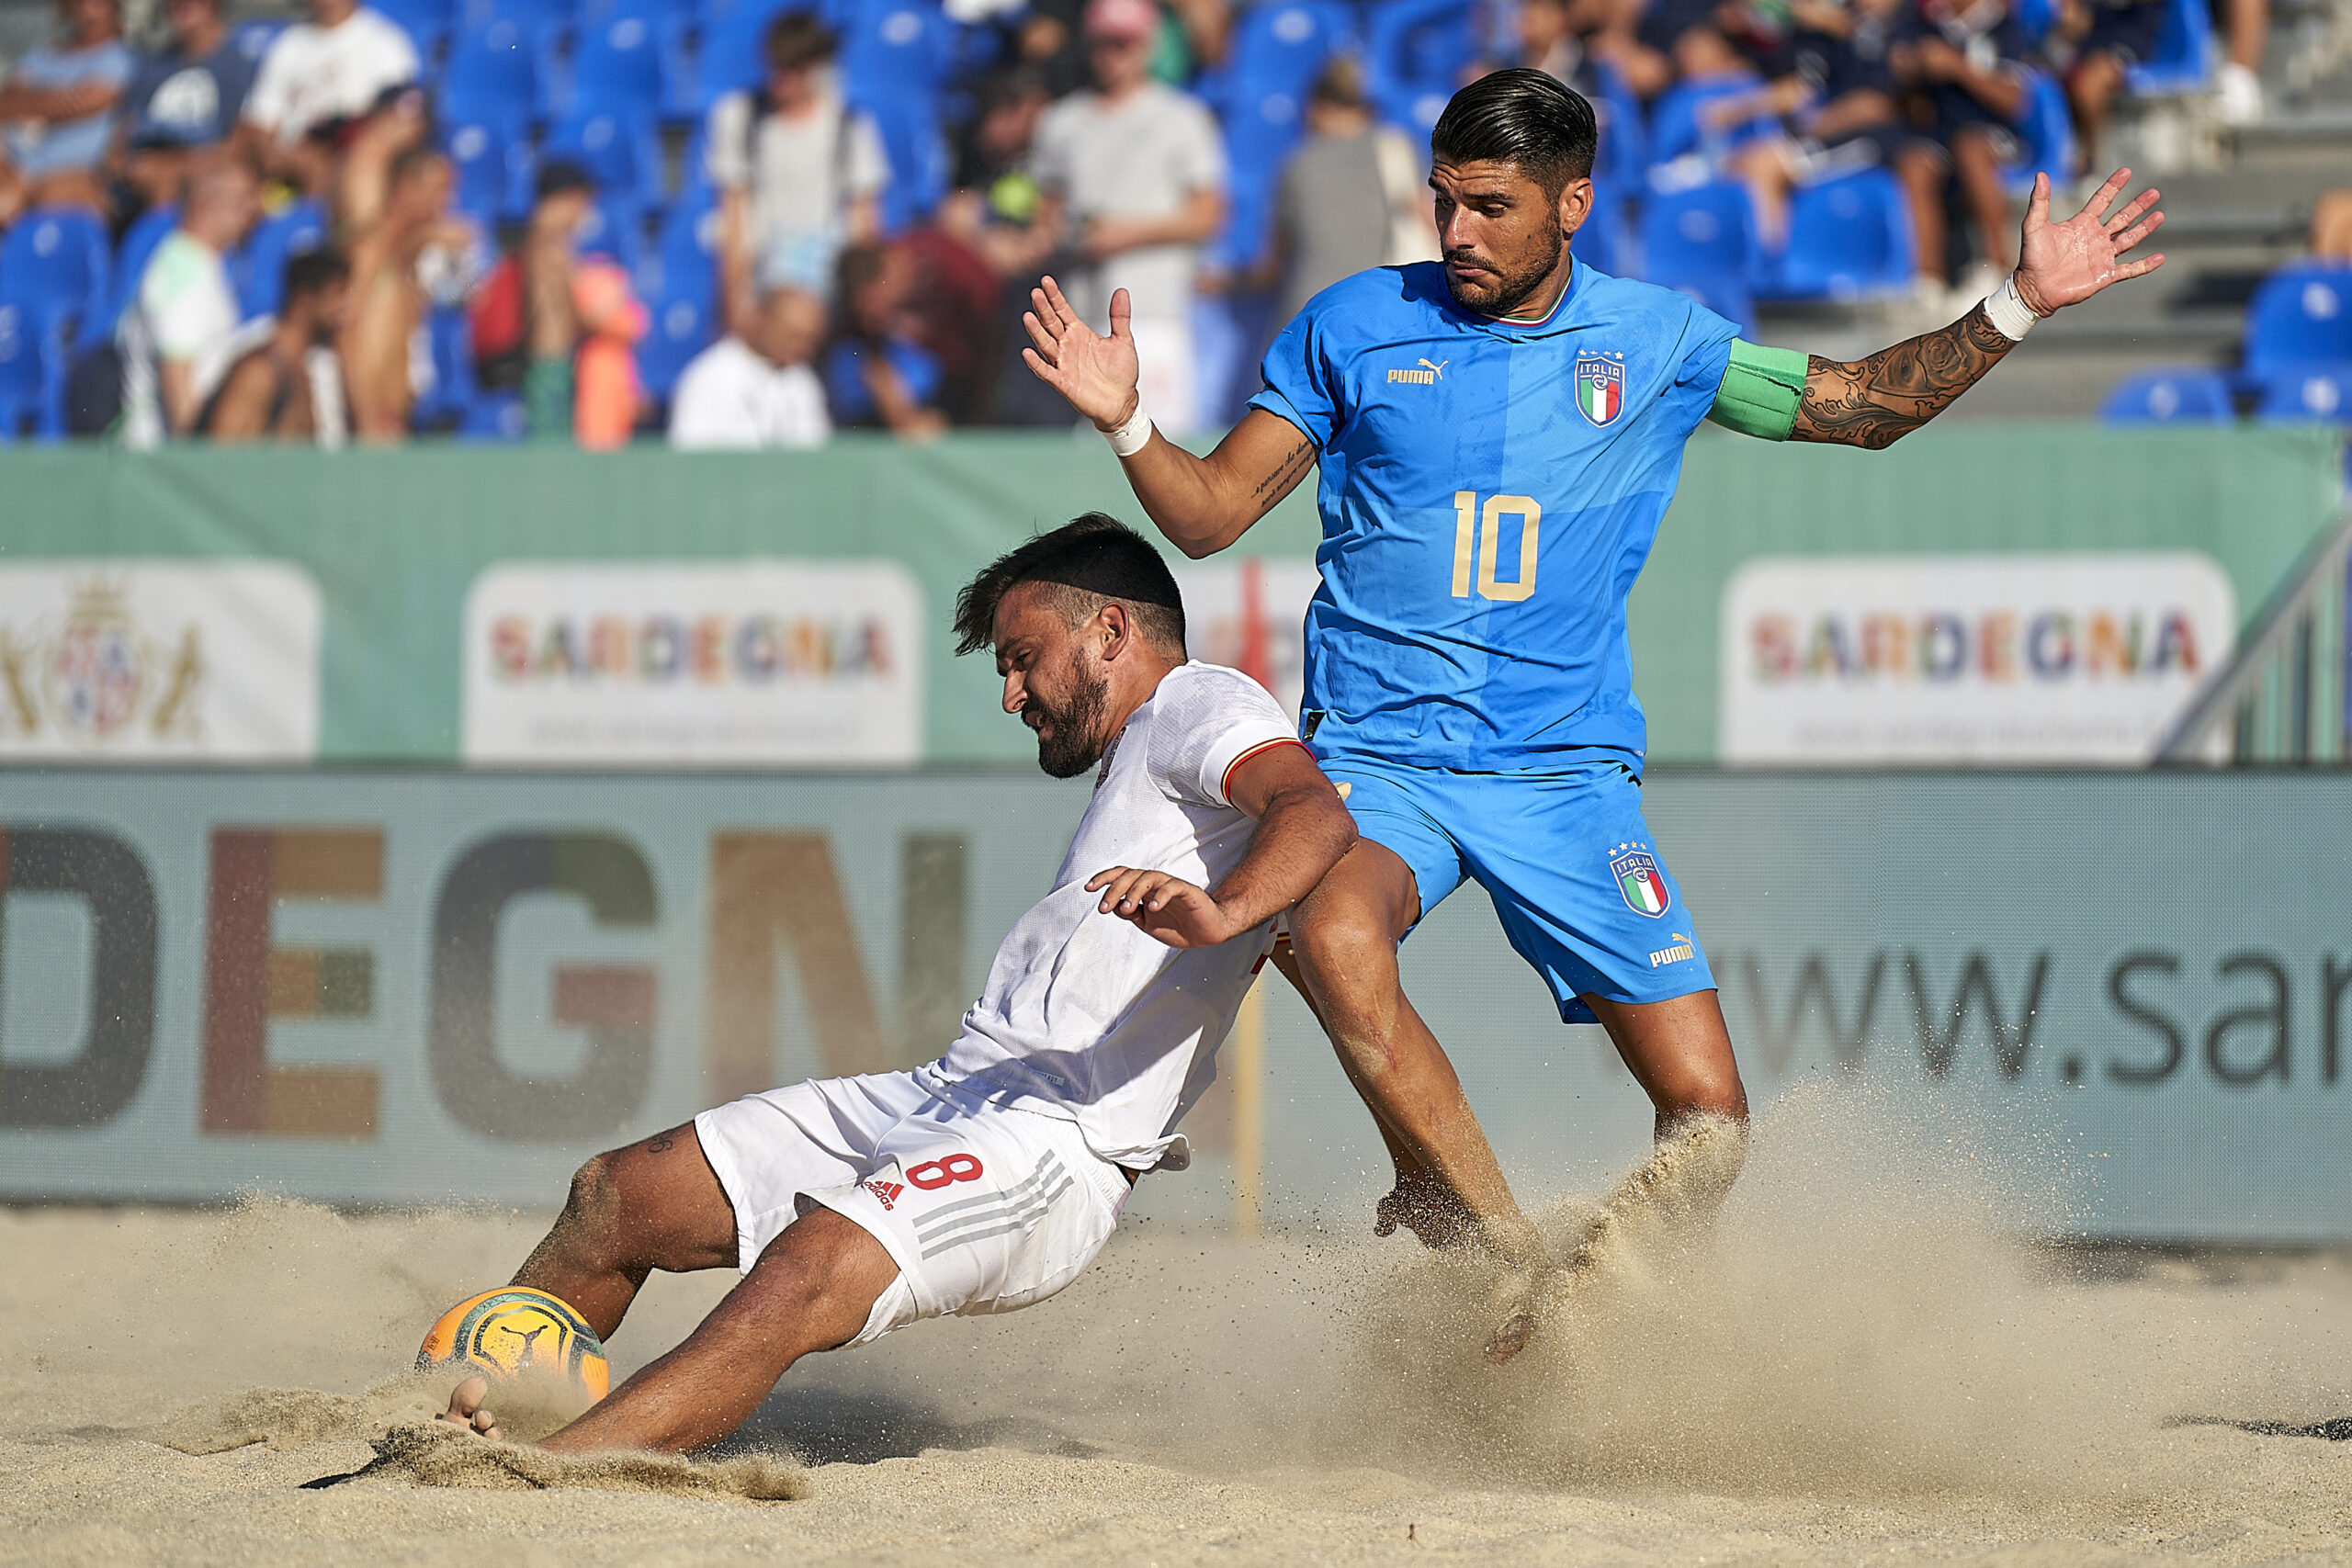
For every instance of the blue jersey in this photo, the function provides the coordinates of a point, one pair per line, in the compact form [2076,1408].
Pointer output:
[1489,491]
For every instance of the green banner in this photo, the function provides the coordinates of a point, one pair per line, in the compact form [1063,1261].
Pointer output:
[396,541]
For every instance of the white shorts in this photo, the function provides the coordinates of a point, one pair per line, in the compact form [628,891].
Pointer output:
[984,1208]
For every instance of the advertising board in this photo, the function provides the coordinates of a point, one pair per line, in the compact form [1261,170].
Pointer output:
[397,987]
[2082,658]
[158,661]
[770,663]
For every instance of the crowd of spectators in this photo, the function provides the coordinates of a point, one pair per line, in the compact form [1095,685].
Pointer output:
[751,223]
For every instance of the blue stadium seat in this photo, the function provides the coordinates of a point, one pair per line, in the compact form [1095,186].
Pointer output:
[1279,48]
[24,375]
[2035,18]
[615,227]
[1849,238]
[428,23]
[2182,394]
[1281,45]
[1605,241]
[920,166]
[494,416]
[2046,135]
[55,264]
[149,230]
[450,337]
[616,64]
[680,325]
[1623,149]
[492,72]
[534,17]
[495,161]
[2183,62]
[619,151]
[732,56]
[2302,393]
[1702,242]
[893,47]
[1674,119]
[1415,53]
[258,269]
[2301,314]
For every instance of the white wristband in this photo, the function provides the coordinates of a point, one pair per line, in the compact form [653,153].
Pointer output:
[1133,436]
[2007,310]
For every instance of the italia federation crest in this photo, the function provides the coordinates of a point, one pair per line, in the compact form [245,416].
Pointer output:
[1639,880]
[1600,386]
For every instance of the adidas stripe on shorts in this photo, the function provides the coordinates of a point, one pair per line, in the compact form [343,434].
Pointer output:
[984,1207]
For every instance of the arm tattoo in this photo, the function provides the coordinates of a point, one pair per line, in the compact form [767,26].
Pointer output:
[1875,401]
[1270,489]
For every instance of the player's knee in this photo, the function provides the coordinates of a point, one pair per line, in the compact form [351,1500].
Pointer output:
[594,1205]
[1334,947]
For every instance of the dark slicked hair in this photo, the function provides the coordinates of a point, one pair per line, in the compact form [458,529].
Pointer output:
[314,271]
[1089,562]
[1526,118]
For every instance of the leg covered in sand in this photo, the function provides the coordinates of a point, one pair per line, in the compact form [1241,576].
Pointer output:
[1450,1189]
[657,1204]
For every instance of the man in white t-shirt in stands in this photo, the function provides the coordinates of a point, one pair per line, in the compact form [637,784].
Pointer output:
[754,388]
[337,66]
[987,1180]
[1133,177]
[183,329]
[799,172]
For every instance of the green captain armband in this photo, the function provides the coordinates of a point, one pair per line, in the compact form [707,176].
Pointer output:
[1760,391]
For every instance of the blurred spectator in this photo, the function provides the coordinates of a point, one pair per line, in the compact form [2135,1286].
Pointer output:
[408,251]
[606,394]
[338,66]
[1134,176]
[956,311]
[525,331]
[2238,84]
[1965,60]
[2110,38]
[756,388]
[995,203]
[184,96]
[877,373]
[57,108]
[181,334]
[2332,225]
[801,173]
[290,387]
[1832,88]
[1352,197]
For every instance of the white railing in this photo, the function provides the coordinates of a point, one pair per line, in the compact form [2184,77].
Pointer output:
[2285,698]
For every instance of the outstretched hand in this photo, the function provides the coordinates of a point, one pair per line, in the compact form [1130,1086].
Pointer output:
[2063,264]
[1164,907]
[1097,374]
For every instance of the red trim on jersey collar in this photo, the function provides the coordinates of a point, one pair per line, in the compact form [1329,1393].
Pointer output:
[1225,785]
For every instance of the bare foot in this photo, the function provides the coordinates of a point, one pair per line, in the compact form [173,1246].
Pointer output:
[465,1410]
[1427,1207]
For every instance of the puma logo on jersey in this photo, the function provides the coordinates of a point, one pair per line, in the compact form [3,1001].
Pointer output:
[1427,376]
[886,1193]
[1683,948]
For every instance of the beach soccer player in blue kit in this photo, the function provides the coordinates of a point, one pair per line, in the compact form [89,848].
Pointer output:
[1499,434]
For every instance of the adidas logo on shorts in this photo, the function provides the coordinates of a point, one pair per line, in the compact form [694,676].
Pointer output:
[887,1192]
[1681,949]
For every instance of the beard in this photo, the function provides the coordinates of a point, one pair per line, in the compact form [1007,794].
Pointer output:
[1508,292]
[1077,741]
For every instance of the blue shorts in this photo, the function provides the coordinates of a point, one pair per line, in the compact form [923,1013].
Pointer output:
[1577,880]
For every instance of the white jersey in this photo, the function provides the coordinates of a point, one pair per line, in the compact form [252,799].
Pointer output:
[1087,1018]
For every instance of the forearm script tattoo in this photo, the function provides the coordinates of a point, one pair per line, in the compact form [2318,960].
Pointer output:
[1876,402]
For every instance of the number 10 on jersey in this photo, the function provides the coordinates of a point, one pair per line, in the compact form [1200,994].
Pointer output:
[1483,529]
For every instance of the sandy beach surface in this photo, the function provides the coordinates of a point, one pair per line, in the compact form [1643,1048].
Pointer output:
[1862,1365]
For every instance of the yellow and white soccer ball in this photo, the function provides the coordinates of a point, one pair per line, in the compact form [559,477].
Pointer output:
[517,1335]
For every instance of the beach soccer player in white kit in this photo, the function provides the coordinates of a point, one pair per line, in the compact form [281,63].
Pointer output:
[988,1180]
